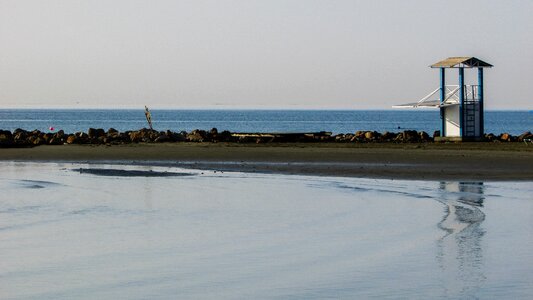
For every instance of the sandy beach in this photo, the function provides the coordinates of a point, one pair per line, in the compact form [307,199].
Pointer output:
[467,161]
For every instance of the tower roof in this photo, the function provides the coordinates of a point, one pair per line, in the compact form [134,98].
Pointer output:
[461,62]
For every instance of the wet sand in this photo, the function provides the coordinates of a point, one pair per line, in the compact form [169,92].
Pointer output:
[468,161]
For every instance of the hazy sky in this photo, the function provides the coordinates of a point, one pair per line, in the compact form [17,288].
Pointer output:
[256,54]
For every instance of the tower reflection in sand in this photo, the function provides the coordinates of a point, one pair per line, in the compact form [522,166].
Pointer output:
[459,252]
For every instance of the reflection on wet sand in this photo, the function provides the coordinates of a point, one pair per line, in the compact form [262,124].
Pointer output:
[459,252]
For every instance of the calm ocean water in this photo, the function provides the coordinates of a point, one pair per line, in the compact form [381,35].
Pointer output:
[336,121]
[67,234]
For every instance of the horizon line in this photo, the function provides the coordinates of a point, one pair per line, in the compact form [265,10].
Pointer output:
[141,107]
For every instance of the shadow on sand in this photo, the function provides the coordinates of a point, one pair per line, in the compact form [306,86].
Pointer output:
[129,173]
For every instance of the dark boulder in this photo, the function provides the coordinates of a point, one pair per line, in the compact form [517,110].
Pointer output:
[176,136]
[36,140]
[55,141]
[388,136]
[20,135]
[340,138]
[424,136]
[47,137]
[112,131]
[197,136]
[6,138]
[82,137]
[91,133]
[225,136]
[490,137]
[113,136]
[407,136]
[135,136]
[524,136]
[318,137]
[163,138]
[95,133]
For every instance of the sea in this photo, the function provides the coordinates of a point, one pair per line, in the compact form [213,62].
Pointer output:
[85,231]
[335,121]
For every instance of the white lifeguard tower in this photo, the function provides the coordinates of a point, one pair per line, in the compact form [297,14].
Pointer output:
[461,106]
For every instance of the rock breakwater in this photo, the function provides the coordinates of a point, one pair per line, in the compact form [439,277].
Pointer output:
[98,136]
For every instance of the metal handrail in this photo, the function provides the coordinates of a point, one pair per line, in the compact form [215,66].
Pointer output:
[471,92]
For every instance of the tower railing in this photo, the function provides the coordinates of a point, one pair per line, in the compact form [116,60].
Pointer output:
[452,94]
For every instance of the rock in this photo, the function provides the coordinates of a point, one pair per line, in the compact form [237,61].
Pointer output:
[197,136]
[82,137]
[47,137]
[162,139]
[176,136]
[20,134]
[410,136]
[490,137]
[388,136]
[424,137]
[340,138]
[55,141]
[144,135]
[135,136]
[225,136]
[360,134]
[60,135]
[347,137]
[72,139]
[112,135]
[95,133]
[525,135]
[407,136]
[112,131]
[505,137]
[6,138]
[369,135]
[91,133]
[37,140]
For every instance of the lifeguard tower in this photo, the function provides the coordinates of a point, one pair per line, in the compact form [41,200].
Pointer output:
[461,106]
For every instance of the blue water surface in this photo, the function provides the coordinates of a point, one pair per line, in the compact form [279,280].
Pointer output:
[336,121]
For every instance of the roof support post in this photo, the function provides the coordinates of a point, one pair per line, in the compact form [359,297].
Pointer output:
[480,97]
[461,100]
[442,97]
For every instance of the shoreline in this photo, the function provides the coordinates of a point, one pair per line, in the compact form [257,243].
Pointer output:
[462,161]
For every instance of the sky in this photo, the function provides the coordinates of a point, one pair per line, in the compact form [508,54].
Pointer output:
[295,54]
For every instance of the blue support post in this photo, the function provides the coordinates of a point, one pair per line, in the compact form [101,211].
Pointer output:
[461,100]
[480,97]
[442,97]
